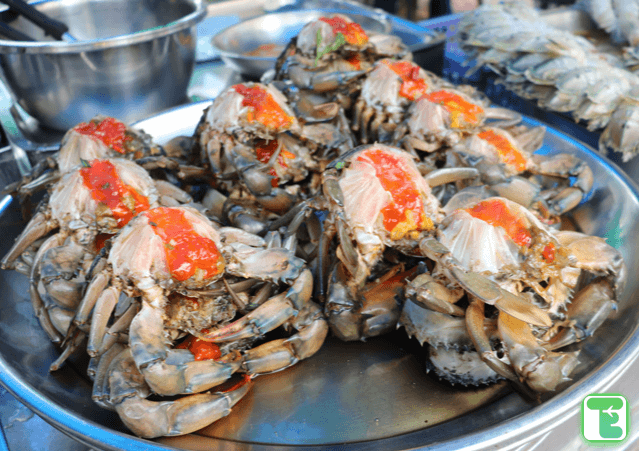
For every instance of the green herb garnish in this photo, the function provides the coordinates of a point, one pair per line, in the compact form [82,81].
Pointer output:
[106,185]
[85,163]
[340,40]
[340,165]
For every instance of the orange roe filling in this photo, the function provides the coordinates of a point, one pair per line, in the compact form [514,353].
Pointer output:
[201,350]
[461,111]
[353,33]
[355,61]
[413,86]
[107,188]
[265,150]
[186,251]
[263,108]
[549,252]
[405,212]
[110,131]
[496,213]
[507,152]
[101,239]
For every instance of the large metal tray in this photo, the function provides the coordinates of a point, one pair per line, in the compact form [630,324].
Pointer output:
[372,395]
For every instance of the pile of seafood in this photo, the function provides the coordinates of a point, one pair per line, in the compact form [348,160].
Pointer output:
[353,194]
[560,71]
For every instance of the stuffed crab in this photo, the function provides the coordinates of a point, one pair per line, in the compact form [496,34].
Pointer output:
[164,255]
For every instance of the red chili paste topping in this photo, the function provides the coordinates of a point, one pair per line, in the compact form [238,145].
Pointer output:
[265,150]
[110,131]
[496,213]
[507,152]
[353,33]
[355,61]
[107,188]
[461,111]
[186,251]
[405,212]
[413,86]
[263,108]
[549,252]
[201,350]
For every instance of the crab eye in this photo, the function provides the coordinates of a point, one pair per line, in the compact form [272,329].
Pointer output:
[187,252]
[461,111]
[263,108]
[111,132]
[102,179]
[404,213]
[353,33]
[413,86]
[507,152]
[496,213]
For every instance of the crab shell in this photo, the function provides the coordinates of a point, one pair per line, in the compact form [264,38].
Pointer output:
[307,37]
[76,146]
[382,86]
[488,249]
[228,115]
[138,254]
[365,197]
[72,204]
[429,117]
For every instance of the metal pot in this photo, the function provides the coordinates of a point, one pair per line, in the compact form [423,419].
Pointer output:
[133,58]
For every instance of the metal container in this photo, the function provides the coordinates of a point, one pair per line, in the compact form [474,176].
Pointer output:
[373,395]
[133,58]
[276,29]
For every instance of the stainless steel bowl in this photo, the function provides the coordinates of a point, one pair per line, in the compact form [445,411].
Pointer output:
[133,58]
[358,396]
[276,29]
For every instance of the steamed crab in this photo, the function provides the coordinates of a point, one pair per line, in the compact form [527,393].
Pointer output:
[330,54]
[86,206]
[174,252]
[386,93]
[528,259]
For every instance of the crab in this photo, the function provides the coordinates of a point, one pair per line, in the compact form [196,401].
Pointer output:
[382,213]
[446,115]
[386,93]
[102,137]
[532,261]
[86,206]
[537,181]
[330,54]
[177,251]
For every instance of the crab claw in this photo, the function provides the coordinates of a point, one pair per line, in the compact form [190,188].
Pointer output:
[539,368]
[587,311]
[150,419]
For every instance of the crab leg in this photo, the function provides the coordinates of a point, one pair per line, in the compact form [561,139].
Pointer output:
[151,419]
[268,316]
[69,349]
[100,392]
[430,294]
[484,288]
[101,314]
[502,117]
[277,355]
[119,330]
[38,227]
[539,368]
[475,324]
[587,311]
[172,371]
[36,301]
[91,296]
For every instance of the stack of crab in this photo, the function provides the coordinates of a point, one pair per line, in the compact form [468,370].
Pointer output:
[447,226]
